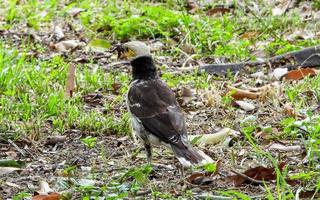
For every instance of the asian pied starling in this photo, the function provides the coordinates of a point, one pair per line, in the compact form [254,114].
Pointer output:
[155,113]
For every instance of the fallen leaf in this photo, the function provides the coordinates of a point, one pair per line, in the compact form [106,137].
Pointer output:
[192,6]
[8,170]
[281,147]
[300,73]
[199,178]
[245,105]
[186,95]
[257,174]
[67,45]
[249,35]
[278,73]
[281,8]
[44,188]
[116,87]
[70,85]
[237,93]
[75,11]
[213,138]
[51,196]
[315,194]
[53,140]
[187,48]
[94,99]
[288,110]
[218,10]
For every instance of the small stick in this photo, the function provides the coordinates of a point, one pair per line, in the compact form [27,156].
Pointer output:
[16,147]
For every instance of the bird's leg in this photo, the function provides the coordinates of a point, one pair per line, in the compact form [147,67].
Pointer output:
[147,146]
[181,167]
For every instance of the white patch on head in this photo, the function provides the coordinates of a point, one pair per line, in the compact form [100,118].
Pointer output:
[139,48]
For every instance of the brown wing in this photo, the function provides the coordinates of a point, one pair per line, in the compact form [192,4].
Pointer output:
[155,105]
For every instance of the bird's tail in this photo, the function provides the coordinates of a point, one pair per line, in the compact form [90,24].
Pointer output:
[189,156]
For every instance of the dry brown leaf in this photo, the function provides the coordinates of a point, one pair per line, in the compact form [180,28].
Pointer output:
[218,10]
[192,6]
[70,85]
[300,73]
[249,35]
[288,110]
[199,178]
[237,93]
[115,87]
[51,196]
[257,173]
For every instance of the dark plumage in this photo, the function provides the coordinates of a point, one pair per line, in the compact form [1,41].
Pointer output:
[156,115]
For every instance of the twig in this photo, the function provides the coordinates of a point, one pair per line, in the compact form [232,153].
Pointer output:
[141,193]
[16,147]
[248,178]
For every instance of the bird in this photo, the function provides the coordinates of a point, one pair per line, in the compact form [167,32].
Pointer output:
[156,116]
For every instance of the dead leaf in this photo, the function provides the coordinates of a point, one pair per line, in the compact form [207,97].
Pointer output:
[70,85]
[281,8]
[75,11]
[53,140]
[300,73]
[51,196]
[288,110]
[213,138]
[283,148]
[278,73]
[8,170]
[199,178]
[67,45]
[116,87]
[255,175]
[218,10]
[44,188]
[315,194]
[94,99]
[237,93]
[187,48]
[186,92]
[245,105]
[192,6]
[249,35]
